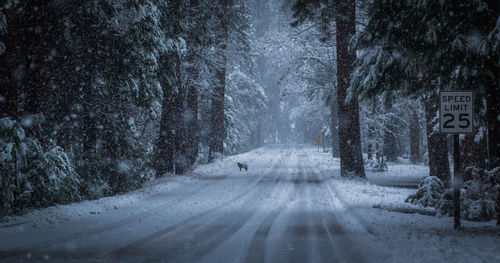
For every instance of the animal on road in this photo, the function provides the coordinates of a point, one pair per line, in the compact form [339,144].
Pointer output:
[242,166]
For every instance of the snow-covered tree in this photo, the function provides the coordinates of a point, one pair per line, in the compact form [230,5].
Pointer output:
[421,47]
[33,176]
[344,15]
[448,48]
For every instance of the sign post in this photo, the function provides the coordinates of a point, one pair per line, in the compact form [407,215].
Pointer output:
[456,116]
[318,140]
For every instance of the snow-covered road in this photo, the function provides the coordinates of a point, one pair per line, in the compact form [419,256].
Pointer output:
[287,208]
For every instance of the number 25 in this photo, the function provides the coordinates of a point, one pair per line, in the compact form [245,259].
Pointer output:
[462,117]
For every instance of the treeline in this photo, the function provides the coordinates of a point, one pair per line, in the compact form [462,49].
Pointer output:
[431,47]
[416,49]
[99,96]
[396,56]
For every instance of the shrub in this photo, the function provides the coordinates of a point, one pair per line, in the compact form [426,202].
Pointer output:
[31,177]
[429,192]
[476,197]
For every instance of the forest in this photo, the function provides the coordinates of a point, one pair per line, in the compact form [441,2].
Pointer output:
[99,97]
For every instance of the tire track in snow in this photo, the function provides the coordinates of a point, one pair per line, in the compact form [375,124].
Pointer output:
[257,247]
[319,247]
[295,239]
[31,249]
[209,236]
[245,242]
[324,248]
[220,234]
[256,251]
[189,227]
[314,244]
[339,238]
[343,202]
[212,235]
[39,247]
[314,251]
[298,231]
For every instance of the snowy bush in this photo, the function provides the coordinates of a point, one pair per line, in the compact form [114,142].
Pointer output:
[89,167]
[376,165]
[30,176]
[476,197]
[473,210]
[217,156]
[105,174]
[429,192]
[425,158]
[129,175]
[445,204]
[478,210]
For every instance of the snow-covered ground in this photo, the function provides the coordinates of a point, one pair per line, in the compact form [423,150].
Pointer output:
[291,206]
[401,173]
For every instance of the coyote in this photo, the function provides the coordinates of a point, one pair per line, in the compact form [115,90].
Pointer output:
[242,166]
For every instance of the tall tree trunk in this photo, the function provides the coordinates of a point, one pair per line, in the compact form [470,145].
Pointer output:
[217,120]
[180,140]
[473,152]
[439,164]
[38,51]
[217,114]
[11,66]
[480,148]
[89,123]
[414,126]
[256,136]
[192,126]
[498,208]
[334,129]
[165,145]
[260,133]
[170,137]
[493,122]
[192,129]
[467,147]
[371,132]
[390,151]
[351,159]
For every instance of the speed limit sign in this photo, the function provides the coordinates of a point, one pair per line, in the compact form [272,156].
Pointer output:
[455,116]
[455,111]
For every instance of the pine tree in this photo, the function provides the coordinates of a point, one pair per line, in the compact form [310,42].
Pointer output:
[400,54]
[217,120]
[334,129]
[414,132]
[100,73]
[169,148]
[390,129]
[195,42]
[23,55]
[344,14]
[439,165]
[449,44]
